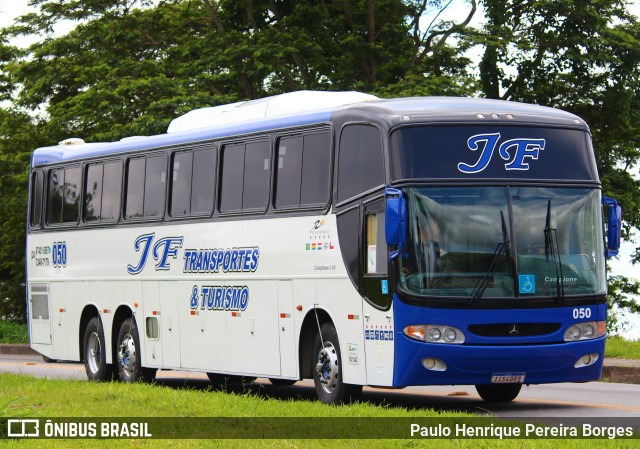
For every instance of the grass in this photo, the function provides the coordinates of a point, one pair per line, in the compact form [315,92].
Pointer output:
[30,397]
[619,347]
[13,332]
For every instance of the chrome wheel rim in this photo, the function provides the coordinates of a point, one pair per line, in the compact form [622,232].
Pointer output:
[328,368]
[94,352]
[127,355]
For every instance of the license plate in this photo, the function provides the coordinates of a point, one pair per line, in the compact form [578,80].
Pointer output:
[507,378]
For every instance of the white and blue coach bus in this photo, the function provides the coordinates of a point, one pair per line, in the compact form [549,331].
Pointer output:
[333,236]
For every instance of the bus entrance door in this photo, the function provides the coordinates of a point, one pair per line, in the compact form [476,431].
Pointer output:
[378,314]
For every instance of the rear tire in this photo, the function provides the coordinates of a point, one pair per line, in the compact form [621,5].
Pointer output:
[94,349]
[128,355]
[327,364]
[498,392]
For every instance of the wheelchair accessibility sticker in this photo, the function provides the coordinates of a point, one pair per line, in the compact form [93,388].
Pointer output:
[527,283]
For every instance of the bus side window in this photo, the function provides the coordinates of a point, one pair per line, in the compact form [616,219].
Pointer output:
[192,183]
[102,186]
[244,184]
[316,170]
[63,196]
[37,187]
[145,190]
[303,173]
[360,163]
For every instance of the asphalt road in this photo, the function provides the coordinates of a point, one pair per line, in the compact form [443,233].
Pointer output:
[593,399]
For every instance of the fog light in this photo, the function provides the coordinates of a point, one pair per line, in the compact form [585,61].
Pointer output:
[587,360]
[433,364]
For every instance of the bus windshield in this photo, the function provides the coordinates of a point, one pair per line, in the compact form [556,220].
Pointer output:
[503,242]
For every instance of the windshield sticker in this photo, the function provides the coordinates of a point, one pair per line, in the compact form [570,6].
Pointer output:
[514,151]
[527,283]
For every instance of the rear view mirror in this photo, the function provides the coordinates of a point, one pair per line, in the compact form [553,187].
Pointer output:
[395,220]
[614,226]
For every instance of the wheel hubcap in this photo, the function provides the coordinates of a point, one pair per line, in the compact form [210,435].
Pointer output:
[327,367]
[127,355]
[94,352]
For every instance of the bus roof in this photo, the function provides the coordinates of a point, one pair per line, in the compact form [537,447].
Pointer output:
[305,108]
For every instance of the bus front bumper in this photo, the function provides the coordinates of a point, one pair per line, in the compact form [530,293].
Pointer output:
[473,365]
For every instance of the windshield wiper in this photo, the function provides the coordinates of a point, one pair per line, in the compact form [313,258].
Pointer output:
[503,248]
[552,250]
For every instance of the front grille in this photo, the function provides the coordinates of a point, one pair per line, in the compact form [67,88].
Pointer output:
[513,329]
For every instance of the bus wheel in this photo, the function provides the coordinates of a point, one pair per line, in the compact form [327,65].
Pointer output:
[328,369]
[129,362]
[282,382]
[95,362]
[499,392]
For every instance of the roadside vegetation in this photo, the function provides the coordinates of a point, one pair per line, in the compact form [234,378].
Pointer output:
[37,397]
[11,332]
[621,348]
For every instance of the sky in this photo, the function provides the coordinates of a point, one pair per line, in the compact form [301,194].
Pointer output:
[10,9]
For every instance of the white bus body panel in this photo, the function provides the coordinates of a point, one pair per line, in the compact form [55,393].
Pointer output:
[299,264]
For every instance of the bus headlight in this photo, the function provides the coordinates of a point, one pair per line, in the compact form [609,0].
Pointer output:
[434,333]
[585,331]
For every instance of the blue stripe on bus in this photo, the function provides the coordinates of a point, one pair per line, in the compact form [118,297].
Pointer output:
[49,155]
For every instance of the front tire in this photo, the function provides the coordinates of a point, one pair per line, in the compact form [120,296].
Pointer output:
[498,392]
[128,354]
[327,378]
[94,349]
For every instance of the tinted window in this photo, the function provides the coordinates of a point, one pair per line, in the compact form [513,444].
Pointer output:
[154,186]
[72,183]
[203,183]
[181,183]
[102,192]
[54,197]
[491,152]
[193,182]
[245,177]
[111,187]
[135,188]
[316,169]
[360,161]
[146,179]
[64,196]
[93,192]
[289,172]
[232,178]
[37,186]
[256,176]
[303,176]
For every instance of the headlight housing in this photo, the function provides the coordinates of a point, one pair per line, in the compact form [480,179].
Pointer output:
[435,333]
[585,331]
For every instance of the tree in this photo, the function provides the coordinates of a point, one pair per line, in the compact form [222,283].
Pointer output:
[583,57]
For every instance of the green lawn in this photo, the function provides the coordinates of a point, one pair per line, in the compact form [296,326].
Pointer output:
[619,347]
[24,396]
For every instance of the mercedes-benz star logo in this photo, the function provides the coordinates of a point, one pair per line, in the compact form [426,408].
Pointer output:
[514,331]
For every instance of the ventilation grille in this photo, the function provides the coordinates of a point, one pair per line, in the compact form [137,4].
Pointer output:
[514,329]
